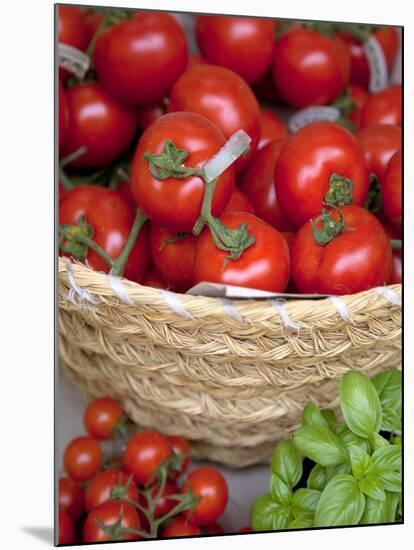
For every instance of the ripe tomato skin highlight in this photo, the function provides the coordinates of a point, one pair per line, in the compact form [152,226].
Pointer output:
[71,498]
[383,108]
[210,486]
[223,97]
[355,260]
[179,527]
[272,128]
[265,265]
[100,487]
[360,96]
[379,143]
[101,416]
[139,60]
[66,529]
[111,217]
[82,458]
[109,513]
[242,44]
[176,203]
[98,122]
[144,453]
[306,163]
[63,120]
[257,184]
[174,260]
[180,446]
[391,191]
[310,68]
[238,203]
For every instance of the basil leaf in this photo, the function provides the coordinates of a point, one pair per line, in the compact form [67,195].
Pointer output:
[360,404]
[361,462]
[317,479]
[380,511]
[349,439]
[264,514]
[279,491]
[330,417]
[387,458]
[302,521]
[388,386]
[287,463]
[305,500]
[313,416]
[332,471]
[341,502]
[391,480]
[377,441]
[372,486]
[320,445]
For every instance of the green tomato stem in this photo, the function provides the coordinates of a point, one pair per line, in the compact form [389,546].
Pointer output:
[396,244]
[118,266]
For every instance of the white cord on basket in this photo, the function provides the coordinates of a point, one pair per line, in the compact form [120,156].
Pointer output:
[389,295]
[231,310]
[283,314]
[76,294]
[119,289]
[175,304]
[341,308]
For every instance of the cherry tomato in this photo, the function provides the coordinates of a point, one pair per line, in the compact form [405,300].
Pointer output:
[391,191]
[110,513]
[264,265]
[290,238]
[164,504]
[153,278]
[173,202]
[310,68]
[111,217]
[357,259]
[242,44]
[72,31]
[383,108]
[306,163]
[210,486]
[109,485]
[379,143]
[173,255]
[272,128]
[179,527]
[257,184]
[224,98]
[238,203]
[139,60]
[359,97]
[71,498]
[144,453]
[387,38]
[396,273]
[63,115]
[124,189]
[92,20]
[180,446]
[82,458]
[98,122]
[213,529]
[66,529]
[101,417]
[196,60]
[266,90]
[149,114]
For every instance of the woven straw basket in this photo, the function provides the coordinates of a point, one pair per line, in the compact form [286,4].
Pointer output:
[231,376]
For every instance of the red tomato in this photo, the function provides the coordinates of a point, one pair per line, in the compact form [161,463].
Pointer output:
[391,191]
[242,44]
[109,485]
[360,71]
[180,446]
[246,529]
[272,128]
[153,278]
[213,529]
[238,203]
[179,527]
[164,504]
[138,60]
[72,31]
[173,258]
[359,97]
[196,60]
[290,238]
[174,202]
[101,417]
[71,498]
[355,260]
[224,98]
[109,513]
[266,90]
[383,108]
[149,114]
[111,217]
[82,458]
[63,115]
[124,189]
[379,142]
[66,529]
[306,163]
[310,68]
[264,265]
[396,273]
[257,184]
[92,20]
[98,122]
[209,485]
[144,453]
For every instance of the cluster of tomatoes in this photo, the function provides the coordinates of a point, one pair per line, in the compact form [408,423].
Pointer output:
[315,211]
[144,492]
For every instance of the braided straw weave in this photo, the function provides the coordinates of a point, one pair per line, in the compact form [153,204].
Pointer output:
[232,377]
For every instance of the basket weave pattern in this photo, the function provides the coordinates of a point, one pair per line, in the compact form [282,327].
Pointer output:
[233,378]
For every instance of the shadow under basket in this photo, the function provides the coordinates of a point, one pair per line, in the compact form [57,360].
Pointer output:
[231,376]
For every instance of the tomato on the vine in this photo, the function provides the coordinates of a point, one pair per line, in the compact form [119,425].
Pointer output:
[359,257]
[308,164]
[180,446]
[379,143]
[396,272]
[164,503]
[82,458]
[223,97]
[272,128]
[310,68]
[153,278]
[117,516]
[265,265]
[383,108]
[149,114]
[101,417]
[139,60]
[109,485]
[98,122]
[71,498]
[72,31]
[66,530]
[238,203]
[359,96]
[391,191]
[63,119]
[209,485]
[176,202]
[179,527]
[144,454]
[242,44]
